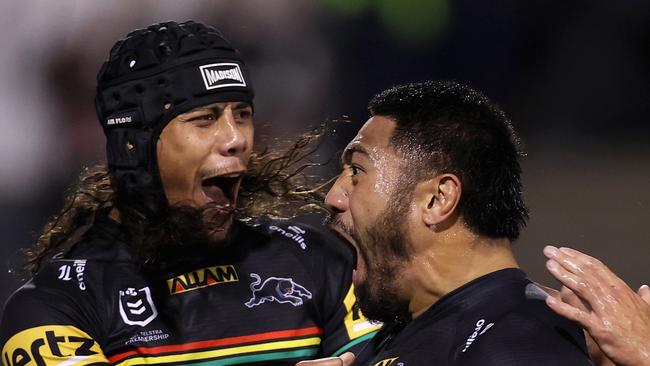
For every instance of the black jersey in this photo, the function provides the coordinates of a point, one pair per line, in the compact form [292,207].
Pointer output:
[280,293]
[499,319]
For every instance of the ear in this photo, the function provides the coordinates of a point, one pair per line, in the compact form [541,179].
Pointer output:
[438,197]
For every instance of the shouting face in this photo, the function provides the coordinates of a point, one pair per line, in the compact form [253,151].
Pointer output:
[370,212]
[202,157]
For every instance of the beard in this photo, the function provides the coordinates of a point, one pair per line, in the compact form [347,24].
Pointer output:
[206,225]
[384,252]
[186,230]
[379,295]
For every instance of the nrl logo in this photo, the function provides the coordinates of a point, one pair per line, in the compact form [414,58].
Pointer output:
[281,290]
[136,306]
[222,75]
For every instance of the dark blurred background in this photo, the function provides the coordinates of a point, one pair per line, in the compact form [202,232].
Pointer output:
[573,75]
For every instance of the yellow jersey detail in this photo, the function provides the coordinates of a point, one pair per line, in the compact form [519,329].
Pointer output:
[51,345]
[386,362]
[355,322]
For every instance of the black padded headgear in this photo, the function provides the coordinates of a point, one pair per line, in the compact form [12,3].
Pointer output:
[150,77]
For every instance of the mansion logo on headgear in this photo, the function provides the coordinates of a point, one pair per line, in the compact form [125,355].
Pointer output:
[222,75]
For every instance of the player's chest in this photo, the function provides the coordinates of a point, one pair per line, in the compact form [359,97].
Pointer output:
[214,312]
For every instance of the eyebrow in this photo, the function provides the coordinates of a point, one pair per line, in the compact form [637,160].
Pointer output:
[242,105]
[355,147]
[238,105]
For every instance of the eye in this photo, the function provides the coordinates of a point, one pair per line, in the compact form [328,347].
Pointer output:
[203,120]
[243,115]
[354,173]
[203,117]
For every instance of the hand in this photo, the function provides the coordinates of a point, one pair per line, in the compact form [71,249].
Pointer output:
[615,316]
[566,295]
[346,359]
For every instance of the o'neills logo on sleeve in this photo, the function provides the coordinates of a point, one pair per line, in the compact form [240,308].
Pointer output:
[222,75]
[202,278]
[52,345]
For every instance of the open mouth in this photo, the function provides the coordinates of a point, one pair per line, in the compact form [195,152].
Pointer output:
[222,190]
[352,245]
[347,239]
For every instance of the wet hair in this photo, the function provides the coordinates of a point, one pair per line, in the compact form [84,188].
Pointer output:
[276,185]
[447,127]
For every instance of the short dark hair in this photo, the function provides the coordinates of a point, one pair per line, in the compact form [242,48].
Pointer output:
[448,127]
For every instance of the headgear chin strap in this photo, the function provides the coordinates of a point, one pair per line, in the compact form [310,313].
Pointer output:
[150,77]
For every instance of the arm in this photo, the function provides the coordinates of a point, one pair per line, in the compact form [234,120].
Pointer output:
[615,316]
[42,328]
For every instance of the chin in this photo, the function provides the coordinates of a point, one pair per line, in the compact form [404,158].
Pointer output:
[209,224]
[221,233]
[217,224]
[379,297]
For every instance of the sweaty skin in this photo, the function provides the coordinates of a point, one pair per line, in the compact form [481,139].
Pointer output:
[208,142]
[615,316]
[368,165]
[385,173]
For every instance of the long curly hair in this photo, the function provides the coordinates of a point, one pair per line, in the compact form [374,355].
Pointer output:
[92,193]
[276,185]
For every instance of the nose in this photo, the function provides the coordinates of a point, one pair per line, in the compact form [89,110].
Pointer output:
[337,197]
[232,141]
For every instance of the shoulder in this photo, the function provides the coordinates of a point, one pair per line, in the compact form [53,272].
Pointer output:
[101,243]
[40,321]
[59,289]
[85,268]
[527,332]
[68,290]
[310,254]
[43,302]
[305,239]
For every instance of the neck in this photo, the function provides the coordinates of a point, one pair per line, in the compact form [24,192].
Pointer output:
[445,266]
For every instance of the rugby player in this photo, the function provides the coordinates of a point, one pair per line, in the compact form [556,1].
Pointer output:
[430,197]
[157,259]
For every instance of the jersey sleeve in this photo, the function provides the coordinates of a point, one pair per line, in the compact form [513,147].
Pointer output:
[516,341]
[345,327]
[48,326]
